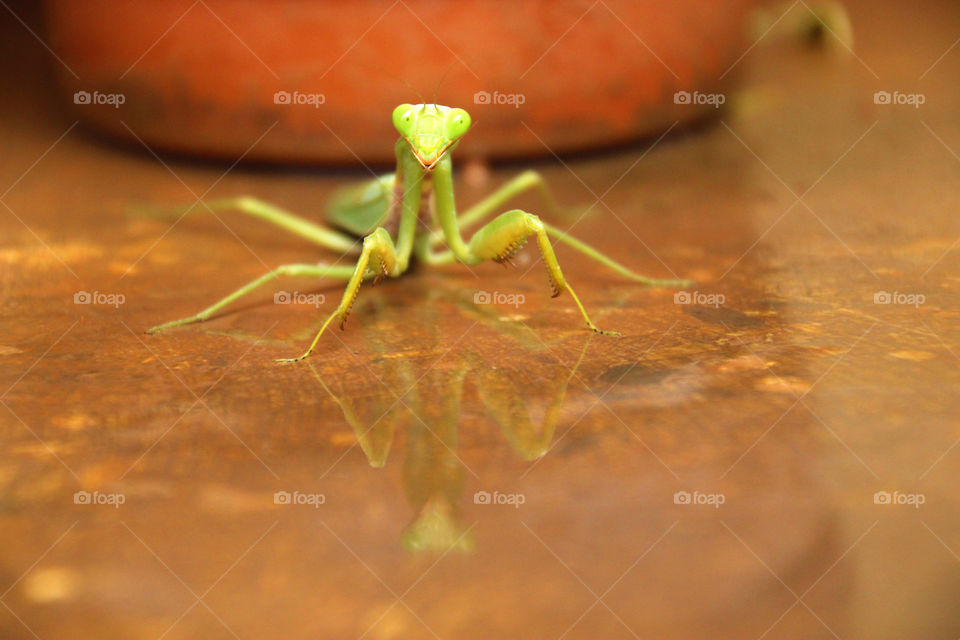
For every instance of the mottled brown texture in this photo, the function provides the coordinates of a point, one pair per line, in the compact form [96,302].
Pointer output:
[798,398]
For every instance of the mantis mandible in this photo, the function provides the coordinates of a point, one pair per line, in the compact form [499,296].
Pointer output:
[388,213]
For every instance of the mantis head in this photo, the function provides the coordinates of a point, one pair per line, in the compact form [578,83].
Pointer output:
[430,130]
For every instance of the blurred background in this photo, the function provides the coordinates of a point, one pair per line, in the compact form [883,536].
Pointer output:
[769,453]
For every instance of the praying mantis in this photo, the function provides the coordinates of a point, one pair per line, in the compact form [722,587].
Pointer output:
[388,213]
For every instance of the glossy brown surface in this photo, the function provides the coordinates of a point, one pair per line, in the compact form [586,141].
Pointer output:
[793,401]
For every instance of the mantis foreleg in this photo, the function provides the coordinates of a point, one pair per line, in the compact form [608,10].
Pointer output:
[524,181]
[378,259]
[492,203]
[499,239]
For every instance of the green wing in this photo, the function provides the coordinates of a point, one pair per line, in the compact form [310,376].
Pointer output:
[361,208]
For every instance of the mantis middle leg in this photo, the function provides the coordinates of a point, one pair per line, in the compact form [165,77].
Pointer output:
[272,214]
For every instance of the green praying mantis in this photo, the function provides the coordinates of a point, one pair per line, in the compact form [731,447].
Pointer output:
[388,213]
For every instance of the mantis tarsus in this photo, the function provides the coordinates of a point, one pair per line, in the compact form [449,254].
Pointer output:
[387,213]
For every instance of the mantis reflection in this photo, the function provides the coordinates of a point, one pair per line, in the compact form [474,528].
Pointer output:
[430,413]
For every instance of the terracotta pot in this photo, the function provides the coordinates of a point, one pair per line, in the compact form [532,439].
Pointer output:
[202,78]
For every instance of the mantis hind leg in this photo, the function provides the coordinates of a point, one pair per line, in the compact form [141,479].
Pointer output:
[506,234]
[327,238]
[378,259]
[312,270]
[587,250]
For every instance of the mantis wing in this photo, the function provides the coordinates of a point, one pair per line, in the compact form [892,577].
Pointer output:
[361,208]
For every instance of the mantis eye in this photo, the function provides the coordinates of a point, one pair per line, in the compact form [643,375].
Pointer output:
[403,119]
[458,122]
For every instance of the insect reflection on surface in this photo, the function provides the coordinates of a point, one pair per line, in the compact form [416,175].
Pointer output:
[427,411]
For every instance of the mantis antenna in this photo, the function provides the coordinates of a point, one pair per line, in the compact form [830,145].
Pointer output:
[396,77]
[436,93]
[411,87]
